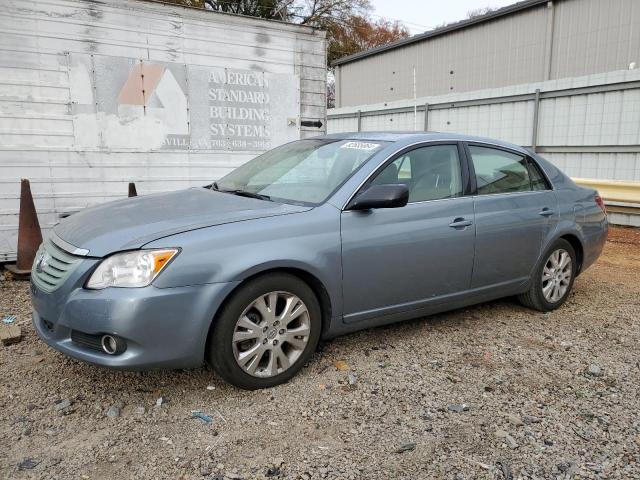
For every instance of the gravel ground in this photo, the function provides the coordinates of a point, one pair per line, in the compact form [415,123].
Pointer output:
[493,391]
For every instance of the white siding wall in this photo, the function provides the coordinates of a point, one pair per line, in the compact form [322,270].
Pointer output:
[63,64]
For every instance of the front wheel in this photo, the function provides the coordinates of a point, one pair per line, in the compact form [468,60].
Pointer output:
[553,278]
[266,332]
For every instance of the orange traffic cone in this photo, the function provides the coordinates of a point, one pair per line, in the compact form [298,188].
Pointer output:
[29,234]
[132,190]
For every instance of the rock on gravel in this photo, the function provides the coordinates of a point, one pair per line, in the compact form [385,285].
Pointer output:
[458,408]
[506,438]
[406,447]
[594,370]
[28,464]
[62,405]
[114,410]
[515,420]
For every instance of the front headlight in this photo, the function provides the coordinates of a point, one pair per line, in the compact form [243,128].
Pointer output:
[130,269]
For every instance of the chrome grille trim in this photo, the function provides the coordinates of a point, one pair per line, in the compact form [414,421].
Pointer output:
[60,264]
[67,247]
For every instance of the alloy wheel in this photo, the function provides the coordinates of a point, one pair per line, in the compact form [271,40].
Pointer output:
[271,334]
[556,275]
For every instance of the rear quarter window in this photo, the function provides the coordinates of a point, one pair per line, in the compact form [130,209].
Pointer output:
[538,180]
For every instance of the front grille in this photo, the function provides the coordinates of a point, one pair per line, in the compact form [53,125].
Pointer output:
[52,266]
[94,342]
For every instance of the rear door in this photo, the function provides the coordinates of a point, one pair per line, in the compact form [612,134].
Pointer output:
[399,259]
[514,210]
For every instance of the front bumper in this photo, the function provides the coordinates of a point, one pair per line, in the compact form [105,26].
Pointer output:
[163,327]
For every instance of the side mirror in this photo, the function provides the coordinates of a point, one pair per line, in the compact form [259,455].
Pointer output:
[381,196]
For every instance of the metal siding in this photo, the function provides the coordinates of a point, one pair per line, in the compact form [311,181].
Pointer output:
[509,121]
[610,166]
[588,36]
[508,50]
[342,125]
[604,120]
[52,50]
[392,122]
[610,118]
[592,36]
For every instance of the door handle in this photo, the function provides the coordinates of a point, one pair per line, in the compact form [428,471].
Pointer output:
[546,212]
[460,222]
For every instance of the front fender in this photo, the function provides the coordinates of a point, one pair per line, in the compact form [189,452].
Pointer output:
[308,241]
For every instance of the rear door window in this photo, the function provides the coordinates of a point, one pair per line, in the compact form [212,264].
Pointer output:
[498,171]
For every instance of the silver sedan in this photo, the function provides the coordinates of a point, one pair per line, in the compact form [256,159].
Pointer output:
[314,239]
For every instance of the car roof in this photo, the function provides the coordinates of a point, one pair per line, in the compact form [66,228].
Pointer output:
[404,138]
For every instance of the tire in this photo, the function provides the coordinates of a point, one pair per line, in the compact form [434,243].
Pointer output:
[536,298]
[246,324]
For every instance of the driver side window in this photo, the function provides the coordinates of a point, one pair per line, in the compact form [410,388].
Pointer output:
[430,173]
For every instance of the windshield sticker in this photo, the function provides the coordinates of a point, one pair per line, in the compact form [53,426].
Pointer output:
[361,145]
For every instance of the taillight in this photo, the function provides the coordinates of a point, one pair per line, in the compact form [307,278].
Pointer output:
[600,203]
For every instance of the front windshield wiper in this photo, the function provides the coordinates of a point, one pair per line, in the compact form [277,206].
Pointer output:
[244,193]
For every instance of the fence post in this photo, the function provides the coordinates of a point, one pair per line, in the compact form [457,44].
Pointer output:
[359,117]
[426,117]
[536,112]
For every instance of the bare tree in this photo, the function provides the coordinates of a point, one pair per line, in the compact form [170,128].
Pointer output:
[331,90]
[478,12]
[323,13]
[269,9]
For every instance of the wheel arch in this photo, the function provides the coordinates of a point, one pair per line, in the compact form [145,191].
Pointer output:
[311,280]
[578,248]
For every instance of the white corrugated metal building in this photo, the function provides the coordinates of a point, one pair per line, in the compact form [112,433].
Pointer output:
[97,94]
[561,77]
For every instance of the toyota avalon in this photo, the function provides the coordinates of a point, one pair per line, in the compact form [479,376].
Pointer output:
[314,239]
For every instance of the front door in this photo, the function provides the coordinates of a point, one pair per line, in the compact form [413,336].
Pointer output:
[399,259]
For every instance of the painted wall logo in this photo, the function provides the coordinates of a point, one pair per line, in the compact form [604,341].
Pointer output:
[153,89]
[239,110]
[125,103]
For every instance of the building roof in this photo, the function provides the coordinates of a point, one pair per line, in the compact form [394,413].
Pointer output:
[508,10]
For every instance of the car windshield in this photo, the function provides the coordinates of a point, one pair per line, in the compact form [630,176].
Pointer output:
[304,172]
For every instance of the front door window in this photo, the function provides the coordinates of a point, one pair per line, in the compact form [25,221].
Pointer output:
[430,173]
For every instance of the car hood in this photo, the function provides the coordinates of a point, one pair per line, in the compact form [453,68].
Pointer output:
[131,223]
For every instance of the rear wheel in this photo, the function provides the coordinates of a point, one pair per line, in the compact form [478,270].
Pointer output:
[266,332]
[553,279]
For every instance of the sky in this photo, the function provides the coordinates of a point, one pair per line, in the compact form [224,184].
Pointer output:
[421,15]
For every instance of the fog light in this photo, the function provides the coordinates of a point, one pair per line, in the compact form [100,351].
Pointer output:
[112,345]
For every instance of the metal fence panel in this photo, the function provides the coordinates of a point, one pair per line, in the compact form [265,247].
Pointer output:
[589,126]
